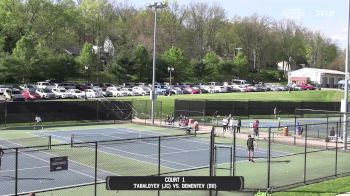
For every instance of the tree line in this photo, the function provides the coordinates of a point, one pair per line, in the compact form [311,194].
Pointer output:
[41,39]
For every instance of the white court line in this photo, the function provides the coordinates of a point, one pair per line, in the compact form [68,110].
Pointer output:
[22,169]
[126,158]
[207,149]
[69,160]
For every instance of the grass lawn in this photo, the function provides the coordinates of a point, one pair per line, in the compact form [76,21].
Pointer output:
[327,188]
[167,102]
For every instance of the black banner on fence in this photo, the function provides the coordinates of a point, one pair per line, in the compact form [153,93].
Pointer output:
[58,163]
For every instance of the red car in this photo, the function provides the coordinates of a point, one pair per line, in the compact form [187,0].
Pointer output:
[308,87]
[30,95]
[190,90]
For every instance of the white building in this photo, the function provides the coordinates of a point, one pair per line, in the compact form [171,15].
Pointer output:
[325,77]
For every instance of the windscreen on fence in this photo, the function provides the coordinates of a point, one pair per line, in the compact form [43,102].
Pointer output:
[56,111]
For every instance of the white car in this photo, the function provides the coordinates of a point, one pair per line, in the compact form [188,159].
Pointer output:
[45,93]
[76,93]
[13,95]
[210,89]
[44,85]
[62,93]
[140,90]
[131,92]
[117,92]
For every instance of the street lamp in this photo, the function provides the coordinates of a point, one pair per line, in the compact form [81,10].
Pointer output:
[170,69]
[156,6]
[86,77]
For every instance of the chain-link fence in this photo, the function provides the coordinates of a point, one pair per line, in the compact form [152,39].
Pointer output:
[284,157]
[91,159]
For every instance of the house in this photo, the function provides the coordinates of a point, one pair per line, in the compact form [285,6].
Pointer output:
[324,77]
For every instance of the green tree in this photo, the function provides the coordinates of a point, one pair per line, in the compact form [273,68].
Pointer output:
[211,61]
[174,57]
[141,61]
[88,59]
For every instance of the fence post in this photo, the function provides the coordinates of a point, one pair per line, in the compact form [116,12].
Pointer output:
[159,155]
[305,151]
[5,113]
[269,159]
[161,112]
[96,148]
[16,173]
[234,153]
[212,145]
[336,151]
[231,161]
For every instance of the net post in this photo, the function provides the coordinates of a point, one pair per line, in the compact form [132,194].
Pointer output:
[305,151]
[336,151]
[269,159]
[16,173]
[96,148]
[49,142]
[71,140]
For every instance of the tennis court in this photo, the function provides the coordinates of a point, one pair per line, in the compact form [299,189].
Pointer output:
[121,157]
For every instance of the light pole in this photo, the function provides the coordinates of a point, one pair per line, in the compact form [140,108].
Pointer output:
[86,77]
[156,6]
[170,69]
[345,104]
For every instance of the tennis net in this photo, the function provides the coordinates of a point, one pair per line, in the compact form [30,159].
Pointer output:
[84,140]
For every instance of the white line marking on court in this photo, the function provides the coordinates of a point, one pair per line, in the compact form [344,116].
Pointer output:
[21,169]
[206,149]
[69,160]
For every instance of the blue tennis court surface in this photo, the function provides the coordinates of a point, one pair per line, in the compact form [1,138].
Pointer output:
[176,154]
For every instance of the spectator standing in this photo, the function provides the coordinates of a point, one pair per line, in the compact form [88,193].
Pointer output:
[299,129]
[256,128]
[250,145]
[224,125]
[239,124]
[230,124]
[332,132]
[275,112]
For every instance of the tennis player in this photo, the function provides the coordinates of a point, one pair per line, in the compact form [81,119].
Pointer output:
[250,145]
[1,154]
[38,121]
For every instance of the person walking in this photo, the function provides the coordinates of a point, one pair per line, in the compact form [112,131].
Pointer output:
[256,128]
[224,125]
[250,147]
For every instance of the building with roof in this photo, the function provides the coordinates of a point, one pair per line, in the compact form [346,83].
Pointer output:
[326,78]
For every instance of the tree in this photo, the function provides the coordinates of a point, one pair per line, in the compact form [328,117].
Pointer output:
[174,57]
[88,59]
[211,62]
[241,61]
[141,60]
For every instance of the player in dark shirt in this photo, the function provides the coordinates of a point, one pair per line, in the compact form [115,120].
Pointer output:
[1,154]
[250,145]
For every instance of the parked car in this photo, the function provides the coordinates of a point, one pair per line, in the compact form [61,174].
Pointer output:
[30,95]
[240,82]
[13,95]
[131,92]
[62,93]
[141,90]
[308,87]
[3,87]
[44,85]
[117,92]
[105,92]
[83,87]
[66,85]
[191,90]
[46,93]
[28,86]
[76,93]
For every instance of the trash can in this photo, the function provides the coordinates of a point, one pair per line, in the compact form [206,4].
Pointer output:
[285,131]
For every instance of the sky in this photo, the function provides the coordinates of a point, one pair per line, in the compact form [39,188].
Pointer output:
[327,16]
